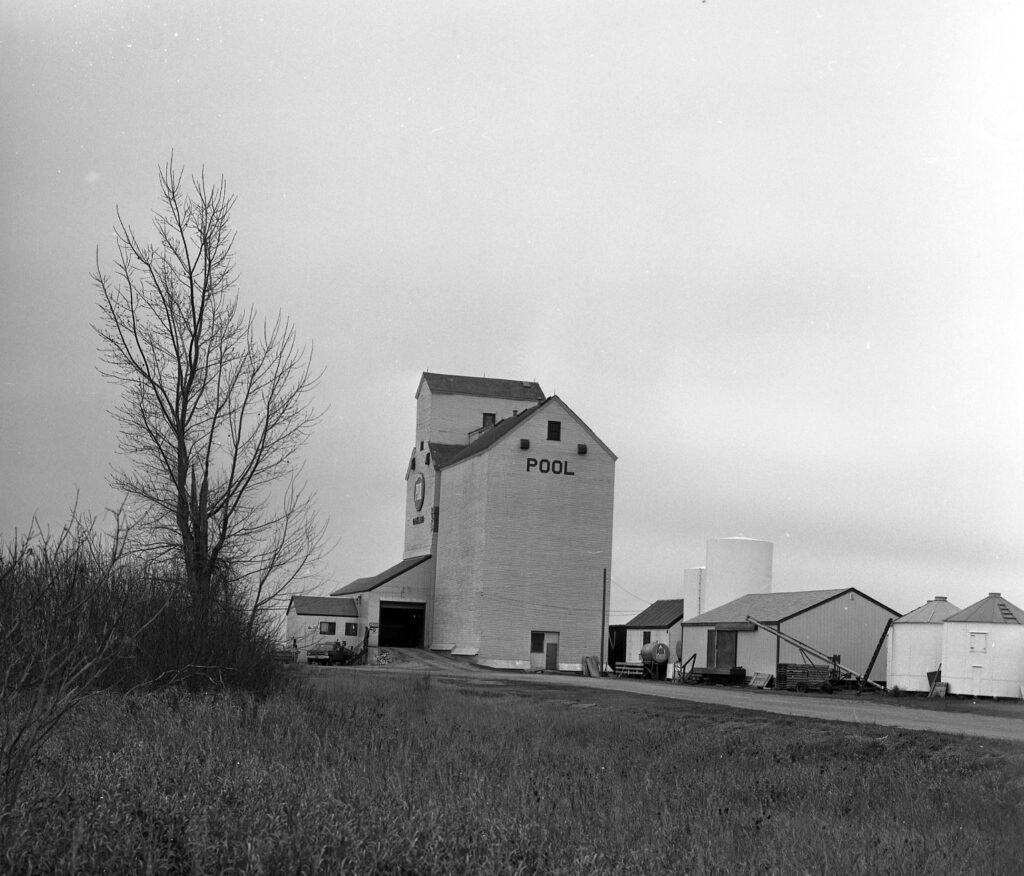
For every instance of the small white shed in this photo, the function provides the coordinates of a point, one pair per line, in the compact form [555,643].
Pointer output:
[983,649]
[659,622]
[321,620]
[915,645]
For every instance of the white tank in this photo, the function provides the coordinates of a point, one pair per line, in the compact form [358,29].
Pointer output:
[693,592]
[735,567]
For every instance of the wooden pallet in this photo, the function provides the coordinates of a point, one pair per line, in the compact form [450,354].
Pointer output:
[629,670]
[801,676]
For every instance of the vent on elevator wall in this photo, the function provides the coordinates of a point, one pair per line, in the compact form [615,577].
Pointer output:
[581,449]
[524,443]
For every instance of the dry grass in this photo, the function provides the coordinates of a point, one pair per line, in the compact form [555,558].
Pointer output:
[402,775]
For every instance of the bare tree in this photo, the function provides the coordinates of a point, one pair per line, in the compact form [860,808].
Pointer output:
[216,405]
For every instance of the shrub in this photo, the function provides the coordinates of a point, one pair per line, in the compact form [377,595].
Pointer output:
[81,613]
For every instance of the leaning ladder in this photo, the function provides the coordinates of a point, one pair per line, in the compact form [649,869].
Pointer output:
[874,657]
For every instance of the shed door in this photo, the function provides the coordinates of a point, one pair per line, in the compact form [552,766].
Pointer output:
[552,656]
[725,649]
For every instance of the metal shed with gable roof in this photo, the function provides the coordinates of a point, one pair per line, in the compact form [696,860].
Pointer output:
[843,622]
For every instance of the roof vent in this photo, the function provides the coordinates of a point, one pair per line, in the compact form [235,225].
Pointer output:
[997,595]
[939,599]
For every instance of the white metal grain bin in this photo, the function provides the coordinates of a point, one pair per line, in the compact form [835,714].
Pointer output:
[735,567]
[915,645]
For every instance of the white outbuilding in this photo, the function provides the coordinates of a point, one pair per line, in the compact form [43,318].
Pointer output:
[842,622]
[321,620]
[983,649]
[659,622]
[915,645]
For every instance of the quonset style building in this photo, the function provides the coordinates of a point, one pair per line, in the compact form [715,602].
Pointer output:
[508,531]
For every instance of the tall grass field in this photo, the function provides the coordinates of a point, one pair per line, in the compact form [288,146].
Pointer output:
[380,773]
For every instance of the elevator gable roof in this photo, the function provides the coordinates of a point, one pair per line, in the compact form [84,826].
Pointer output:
[492,435]
[486,387]
[442,454]
[361,585]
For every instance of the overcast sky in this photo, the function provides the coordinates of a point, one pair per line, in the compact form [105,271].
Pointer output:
[769,252]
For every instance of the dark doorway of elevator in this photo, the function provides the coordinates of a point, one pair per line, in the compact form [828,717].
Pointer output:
[401,624]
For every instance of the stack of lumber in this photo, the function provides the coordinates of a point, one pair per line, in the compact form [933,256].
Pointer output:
[791,676]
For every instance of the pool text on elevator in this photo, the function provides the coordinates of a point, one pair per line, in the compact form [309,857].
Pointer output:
[549,466]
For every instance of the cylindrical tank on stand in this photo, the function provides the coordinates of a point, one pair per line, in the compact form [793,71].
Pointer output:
[655,652]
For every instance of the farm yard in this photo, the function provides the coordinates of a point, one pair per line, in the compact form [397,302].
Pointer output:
[382,772]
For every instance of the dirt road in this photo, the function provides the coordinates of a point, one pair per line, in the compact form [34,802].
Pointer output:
[866,710]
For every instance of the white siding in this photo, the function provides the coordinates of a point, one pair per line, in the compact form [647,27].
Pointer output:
[303,631]
[675,635]
[449,419]
[446,419]
[419,533]
[998,671]
[755,650]
[848,625]
[695,641]
[460,555]
[522,550]
[635,641]
[913,650]
[414,586]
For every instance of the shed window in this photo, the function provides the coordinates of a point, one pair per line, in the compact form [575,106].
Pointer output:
[327,628]
[536,643]
[647,637]
[979,642]
[554,430]
[489,420]
[351,629]
[426,461]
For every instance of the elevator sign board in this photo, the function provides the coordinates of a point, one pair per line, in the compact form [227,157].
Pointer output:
[549,466]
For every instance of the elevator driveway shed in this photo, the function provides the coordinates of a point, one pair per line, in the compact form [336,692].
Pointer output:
[401,624]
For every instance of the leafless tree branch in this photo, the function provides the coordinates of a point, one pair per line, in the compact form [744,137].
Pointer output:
[216,406]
